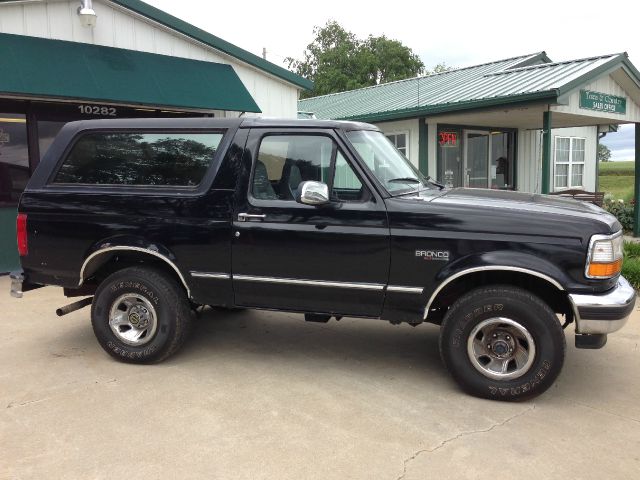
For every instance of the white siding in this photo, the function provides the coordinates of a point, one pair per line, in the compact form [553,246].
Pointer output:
[530,157]
[604,84]
[432,137]
[405,126]
[120,28]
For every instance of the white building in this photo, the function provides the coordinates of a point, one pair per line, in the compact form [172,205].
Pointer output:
[523,123]
[64,60]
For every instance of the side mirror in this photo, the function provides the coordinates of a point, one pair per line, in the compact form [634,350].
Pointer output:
[313,193]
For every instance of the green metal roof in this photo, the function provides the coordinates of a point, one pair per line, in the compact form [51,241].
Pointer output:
[196,33]
[41,67]
[519,79]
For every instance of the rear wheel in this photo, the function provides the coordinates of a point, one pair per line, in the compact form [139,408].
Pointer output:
[502,342]
[140,315]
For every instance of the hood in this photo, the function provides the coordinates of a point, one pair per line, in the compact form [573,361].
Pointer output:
[525,202]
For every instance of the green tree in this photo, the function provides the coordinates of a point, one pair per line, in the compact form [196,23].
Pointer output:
[336,61]
[386,60]
[604,154]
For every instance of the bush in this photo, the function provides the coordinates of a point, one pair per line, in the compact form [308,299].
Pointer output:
[622,210]
[631,271]
[631,250]
[631,264]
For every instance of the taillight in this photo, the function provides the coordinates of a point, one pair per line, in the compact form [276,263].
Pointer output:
[21,231]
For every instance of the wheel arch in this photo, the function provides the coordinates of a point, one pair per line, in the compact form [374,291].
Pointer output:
[548,288]
[104,257]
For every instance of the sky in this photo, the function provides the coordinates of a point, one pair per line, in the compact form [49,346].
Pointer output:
[461,33]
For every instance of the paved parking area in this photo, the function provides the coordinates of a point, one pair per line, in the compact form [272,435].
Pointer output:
[263,395]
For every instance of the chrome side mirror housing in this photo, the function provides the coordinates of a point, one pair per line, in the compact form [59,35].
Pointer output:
[313,193]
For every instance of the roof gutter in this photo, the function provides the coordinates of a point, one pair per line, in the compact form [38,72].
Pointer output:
[549,96]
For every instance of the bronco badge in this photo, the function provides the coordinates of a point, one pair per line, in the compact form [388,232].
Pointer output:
[442,255]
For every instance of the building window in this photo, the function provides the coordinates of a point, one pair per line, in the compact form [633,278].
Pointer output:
[14,158]
[569,162]
[401,141]
[477,158]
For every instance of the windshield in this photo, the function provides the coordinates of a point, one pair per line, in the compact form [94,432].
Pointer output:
[388,165]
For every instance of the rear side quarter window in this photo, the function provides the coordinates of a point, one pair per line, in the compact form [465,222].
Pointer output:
[178,159]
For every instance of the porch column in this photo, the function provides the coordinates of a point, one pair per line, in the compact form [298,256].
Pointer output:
[423,146]
[546,152]
[636,186]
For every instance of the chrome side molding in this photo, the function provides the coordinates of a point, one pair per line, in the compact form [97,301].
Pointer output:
[311,283]
[216,275]
[402,289]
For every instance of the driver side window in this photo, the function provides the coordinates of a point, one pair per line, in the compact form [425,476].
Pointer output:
[285,161]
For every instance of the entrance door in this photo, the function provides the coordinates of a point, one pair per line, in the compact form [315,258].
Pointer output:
[476,159]
[331,258]
[14,174]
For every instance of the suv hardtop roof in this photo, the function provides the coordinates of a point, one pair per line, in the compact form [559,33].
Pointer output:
[208,122]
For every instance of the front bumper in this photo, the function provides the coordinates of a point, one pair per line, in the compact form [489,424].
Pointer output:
[604,313]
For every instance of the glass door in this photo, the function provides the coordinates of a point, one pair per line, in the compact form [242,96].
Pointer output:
[14,174]
[476,159]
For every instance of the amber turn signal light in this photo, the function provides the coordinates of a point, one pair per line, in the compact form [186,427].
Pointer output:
[605,269]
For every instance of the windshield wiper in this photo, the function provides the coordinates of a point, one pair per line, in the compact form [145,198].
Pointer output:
[404,180]
[433,182]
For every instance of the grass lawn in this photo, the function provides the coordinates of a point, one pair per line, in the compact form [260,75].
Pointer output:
[621,186]
[616,168]
[617,178]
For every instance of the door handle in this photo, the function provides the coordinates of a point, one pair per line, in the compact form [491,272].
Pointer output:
[243,217]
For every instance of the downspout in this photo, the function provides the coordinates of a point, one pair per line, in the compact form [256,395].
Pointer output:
[599,135]
[86,7]
[87,14]
[546,152]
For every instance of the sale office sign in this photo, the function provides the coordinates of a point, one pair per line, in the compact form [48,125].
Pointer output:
[602,102]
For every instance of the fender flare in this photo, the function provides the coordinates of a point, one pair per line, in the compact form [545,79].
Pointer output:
[497,268]
[150,250]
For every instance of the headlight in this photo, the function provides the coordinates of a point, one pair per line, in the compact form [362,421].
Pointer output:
[604,258]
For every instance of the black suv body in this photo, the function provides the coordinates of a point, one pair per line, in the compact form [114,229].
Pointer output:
[151,217]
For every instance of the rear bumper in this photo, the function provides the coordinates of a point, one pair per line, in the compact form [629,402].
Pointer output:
[604,313]
[17,280]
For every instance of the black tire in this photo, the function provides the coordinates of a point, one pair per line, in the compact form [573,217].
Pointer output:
[480,307]
[148,286]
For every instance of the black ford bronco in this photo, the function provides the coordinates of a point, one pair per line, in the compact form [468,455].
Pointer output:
[149,219]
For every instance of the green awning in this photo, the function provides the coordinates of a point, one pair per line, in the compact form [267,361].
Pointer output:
[38,67]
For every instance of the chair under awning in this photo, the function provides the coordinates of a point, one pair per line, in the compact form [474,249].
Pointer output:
[32,67]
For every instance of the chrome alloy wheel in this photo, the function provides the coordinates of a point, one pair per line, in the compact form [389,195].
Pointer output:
[501,348]
[133,319]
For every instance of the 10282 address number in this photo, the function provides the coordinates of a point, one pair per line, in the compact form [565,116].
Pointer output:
[97,110]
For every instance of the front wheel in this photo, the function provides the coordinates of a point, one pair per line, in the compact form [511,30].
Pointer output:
[503,343]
